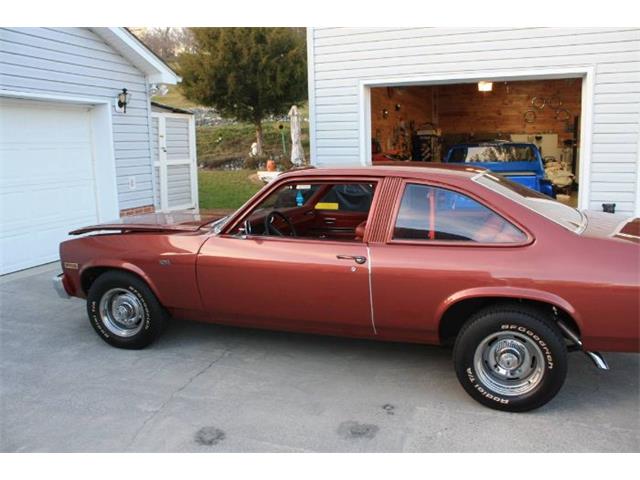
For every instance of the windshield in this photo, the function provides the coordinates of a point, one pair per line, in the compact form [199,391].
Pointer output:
[217,225]
[562,214]
[492,153]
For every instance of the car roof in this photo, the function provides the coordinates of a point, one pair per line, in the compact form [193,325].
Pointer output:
[393,169]
[496,143]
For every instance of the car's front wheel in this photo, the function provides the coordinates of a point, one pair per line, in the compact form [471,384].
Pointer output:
[124,311]
[511,357]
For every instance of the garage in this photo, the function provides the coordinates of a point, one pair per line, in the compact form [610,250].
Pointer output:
[47,179]
[570,92]
[75,135]
[524,129]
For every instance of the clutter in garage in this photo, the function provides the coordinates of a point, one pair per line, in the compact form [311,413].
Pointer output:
[423,122]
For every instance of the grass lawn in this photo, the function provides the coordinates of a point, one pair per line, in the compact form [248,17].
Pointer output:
[220,143]
[175,98]
[225,189]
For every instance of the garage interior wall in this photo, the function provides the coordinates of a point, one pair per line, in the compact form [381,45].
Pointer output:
[340,59]
[463,113]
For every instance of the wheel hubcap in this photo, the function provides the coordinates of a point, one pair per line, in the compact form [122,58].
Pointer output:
[122,312]
[509,363]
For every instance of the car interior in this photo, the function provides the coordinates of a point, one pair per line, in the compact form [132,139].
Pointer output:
[340,210]
[325,211]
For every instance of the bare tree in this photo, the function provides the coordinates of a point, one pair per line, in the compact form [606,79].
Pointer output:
[166,42]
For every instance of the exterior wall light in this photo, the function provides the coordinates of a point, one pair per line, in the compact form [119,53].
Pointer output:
[123,99]
[485,86]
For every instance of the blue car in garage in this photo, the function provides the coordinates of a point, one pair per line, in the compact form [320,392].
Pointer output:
[520,162]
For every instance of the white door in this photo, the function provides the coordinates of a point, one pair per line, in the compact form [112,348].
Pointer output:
[47,181]
[176,171]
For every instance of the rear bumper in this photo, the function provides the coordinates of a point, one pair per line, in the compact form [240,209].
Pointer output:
[58,286]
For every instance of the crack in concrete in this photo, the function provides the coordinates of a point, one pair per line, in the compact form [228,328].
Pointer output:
[173,395]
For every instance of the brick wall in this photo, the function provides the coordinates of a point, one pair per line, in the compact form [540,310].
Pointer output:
[128,212]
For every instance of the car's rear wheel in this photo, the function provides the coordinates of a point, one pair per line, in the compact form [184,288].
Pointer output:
[511,357]
[124,311]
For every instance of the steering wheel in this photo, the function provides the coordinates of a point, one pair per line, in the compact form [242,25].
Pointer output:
[270,228]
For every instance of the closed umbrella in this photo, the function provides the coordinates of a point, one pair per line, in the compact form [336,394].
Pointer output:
[297,153]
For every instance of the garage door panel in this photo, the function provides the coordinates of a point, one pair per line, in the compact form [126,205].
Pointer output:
[47,184]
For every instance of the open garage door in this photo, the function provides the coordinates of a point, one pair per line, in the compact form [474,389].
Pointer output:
[501,125]
[47,179]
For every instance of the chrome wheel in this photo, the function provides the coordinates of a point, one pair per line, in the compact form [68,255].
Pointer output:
[122,312]
[509,363]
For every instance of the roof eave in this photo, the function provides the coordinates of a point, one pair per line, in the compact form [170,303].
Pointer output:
[138,54]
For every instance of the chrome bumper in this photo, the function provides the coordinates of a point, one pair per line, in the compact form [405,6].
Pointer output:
[59,287]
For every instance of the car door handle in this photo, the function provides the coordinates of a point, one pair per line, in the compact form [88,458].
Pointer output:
[359,260]
[329,221]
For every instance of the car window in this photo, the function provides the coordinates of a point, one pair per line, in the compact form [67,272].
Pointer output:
[347,197]
[562,214]
[429,213]
[288,196]
[492,153]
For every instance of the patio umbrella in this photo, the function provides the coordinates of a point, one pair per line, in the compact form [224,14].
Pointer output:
[297,153]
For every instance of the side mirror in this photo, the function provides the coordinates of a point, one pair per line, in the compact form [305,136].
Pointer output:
[245,230]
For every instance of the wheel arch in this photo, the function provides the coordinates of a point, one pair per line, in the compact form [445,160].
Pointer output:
[91,271]
[457,309]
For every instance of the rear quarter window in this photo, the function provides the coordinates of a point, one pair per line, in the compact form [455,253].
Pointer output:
[434,214]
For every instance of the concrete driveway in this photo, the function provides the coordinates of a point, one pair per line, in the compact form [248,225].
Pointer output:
[206,388]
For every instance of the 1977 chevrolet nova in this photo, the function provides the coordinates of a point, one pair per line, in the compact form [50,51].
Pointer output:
[435,255]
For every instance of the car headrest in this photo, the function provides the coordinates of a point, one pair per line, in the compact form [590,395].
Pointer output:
[360,230]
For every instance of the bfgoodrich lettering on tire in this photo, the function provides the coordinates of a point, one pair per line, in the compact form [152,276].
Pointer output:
[124,311]
[511,357]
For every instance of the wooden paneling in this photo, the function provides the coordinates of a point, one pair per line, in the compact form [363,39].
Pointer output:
[463,109]
[415,108]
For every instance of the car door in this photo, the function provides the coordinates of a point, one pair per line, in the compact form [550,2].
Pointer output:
[441,242]
[302,285]
[295,283]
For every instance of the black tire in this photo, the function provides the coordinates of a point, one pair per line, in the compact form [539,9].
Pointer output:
[533,327]
[152,316]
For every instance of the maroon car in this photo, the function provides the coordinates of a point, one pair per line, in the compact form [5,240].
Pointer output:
[447,256]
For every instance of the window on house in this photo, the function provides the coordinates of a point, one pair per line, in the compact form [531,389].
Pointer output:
[429,213]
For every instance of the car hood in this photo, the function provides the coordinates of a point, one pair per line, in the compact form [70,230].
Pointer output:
[607,225]
[182,221]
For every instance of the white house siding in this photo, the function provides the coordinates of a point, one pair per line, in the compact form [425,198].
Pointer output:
[339,58]
[76,62]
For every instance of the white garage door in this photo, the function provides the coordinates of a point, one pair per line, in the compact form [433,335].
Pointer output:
[47,182]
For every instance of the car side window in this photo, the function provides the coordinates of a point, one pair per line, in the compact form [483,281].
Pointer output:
[347,197]
[289,196]
[430,213]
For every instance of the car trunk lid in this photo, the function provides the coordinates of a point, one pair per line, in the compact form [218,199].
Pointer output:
[607,225]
